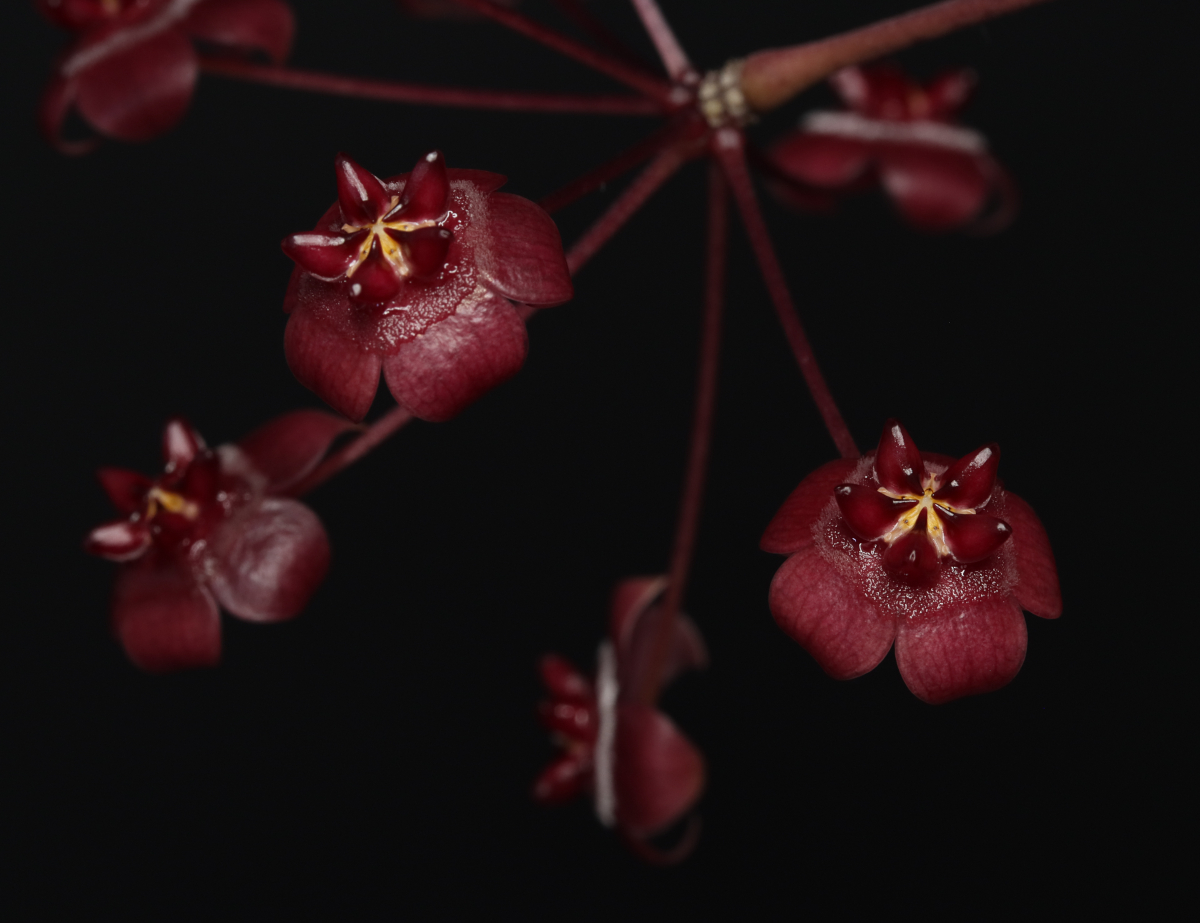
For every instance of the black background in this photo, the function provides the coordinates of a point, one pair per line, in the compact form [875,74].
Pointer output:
[372,759]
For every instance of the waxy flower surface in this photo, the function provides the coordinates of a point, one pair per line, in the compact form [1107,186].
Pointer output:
[901,135]
[643,774]
[131,72]
[414,277]
[214,527]
[917,550]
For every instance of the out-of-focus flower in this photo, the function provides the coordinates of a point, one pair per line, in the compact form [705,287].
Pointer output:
[131,71]
[918,550]
[642,772]
[215,527]
[903,136]
[414,276]
[445,9]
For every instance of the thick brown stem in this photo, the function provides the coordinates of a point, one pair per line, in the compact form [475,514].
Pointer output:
[772,77]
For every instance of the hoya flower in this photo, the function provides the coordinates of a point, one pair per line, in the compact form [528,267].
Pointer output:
[414,277]
[215,527]
[131,71]
[903,136]
[643,774]
[918,550]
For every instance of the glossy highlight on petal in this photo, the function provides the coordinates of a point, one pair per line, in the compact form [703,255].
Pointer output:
[968,483]
[913,558]
[181,443]
[121,540]
[424,249]
[326,256]
[360,193]
[973,538]
[898,464]
[867,512]
[427,191]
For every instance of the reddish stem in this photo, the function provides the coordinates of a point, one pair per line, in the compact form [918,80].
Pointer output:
[632,198]
[701,439]
[728,147]
[366,88]
[626,160]
[346,456]
[673,57]
[772,77]
[599,32]
[635,77]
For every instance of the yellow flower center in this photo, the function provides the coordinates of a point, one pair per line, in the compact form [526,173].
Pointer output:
[933,523]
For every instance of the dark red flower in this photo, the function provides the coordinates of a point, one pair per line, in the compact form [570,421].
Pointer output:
[215,526]
[414,276]
[916,549]
[903,136]
[131,72]
[642,772]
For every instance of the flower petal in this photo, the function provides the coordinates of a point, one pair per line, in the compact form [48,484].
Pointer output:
[163,618]
[935,189]
[972,538]
[813,601]
[949,92]
[1037,588]
[913,558]
[826,161]
[268,560]
[327,256]
[427,192]
[126,489]
[375,279]
[484,180]
[869,514]
[288,447]
[56,102]
[120,540]
[526,261]
[658,772]
[425,249]
[181,444]
[968,483]
[337,369]
[633,626]
[572,720]
[133,92]
[963,650]
[791,528]
[563,779]
[254,25]
[459,359]
[360,193]
[898,464]
[563,680]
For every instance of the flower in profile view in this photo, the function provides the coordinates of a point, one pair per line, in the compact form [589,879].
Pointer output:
[215,527]
[131,71]
[414,277]
[642,773]
[903,136]
[917,550]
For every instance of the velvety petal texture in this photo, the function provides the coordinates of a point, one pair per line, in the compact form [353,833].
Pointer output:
[132,70]
[163,618]
[213,525]
[945,582]
[901,135]
[424,296]
[268,560]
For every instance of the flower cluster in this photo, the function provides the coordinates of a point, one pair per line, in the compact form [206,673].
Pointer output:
[414,276]
[215,526]
[918,550]
[902,136]
[642,772]
[131,71]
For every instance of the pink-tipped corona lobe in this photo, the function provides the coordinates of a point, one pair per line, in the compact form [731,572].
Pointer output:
[940,565]
[415,277]
[214,527]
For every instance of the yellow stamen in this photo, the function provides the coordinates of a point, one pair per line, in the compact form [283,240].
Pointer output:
[933,522]
[391,248]
[172,503]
